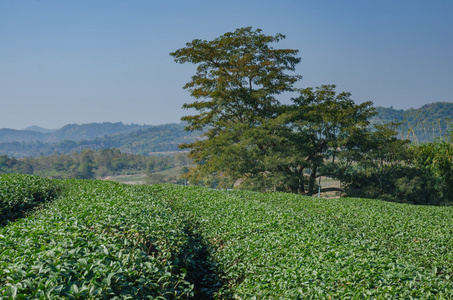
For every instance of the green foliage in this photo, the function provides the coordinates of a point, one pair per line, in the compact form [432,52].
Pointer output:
[252,140]
[100,241]
[90,164]
[436,160]
[12,165]
[420,125]
[325,126]
[285,246]
[21,193]
[374,165]
[238,76]
[392,169]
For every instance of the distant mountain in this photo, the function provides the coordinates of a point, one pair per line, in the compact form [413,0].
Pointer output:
[89,131]
[38,129]
[146,141]
[73,132]
[13,135]
[422,124]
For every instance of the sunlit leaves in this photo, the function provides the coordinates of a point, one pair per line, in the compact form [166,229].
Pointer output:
[21,193]
[282,246]
[239,74]
[104,240]
[99,240]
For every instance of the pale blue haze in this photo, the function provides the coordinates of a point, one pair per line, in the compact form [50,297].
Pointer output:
[81,61]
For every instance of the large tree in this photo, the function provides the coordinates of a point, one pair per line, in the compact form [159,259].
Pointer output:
[238,76]
[251,138]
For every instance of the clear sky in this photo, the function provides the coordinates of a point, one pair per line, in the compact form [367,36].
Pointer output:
[81,61]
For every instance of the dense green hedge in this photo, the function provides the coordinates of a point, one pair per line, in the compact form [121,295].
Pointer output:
[100,241]
[20,193]
[103,240]
[284,246]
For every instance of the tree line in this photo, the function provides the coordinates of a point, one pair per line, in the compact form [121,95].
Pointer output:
[91,164]
[254,141]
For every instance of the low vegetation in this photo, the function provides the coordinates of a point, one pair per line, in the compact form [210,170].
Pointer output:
[21,193]
[100,240]
[283,246]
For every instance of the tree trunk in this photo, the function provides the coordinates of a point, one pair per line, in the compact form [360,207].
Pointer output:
[301,188]
[311,184]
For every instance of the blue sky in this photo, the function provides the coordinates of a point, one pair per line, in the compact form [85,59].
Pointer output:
[81,61]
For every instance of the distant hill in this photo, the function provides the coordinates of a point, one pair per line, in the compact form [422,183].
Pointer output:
[38,129]
[13,135]
[73,132]
[422,124]
[145,141]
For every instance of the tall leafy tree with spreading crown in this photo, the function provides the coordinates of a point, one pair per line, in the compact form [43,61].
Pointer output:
[250,137]
[238,77]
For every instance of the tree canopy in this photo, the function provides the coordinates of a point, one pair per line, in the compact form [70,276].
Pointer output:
[251,139]
[238,76]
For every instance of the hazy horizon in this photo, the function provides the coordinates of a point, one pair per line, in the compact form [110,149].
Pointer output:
[145,124]
[64,62]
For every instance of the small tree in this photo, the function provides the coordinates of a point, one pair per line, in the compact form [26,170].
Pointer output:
[436,159]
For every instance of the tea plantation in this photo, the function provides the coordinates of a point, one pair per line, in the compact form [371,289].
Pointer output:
[81,239]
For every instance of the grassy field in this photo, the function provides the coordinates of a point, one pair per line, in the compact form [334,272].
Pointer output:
[104,240]
[162,176]
[128,179]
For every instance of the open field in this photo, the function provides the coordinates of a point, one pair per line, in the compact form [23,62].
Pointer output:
[101,239]
[129,179]
[144,179]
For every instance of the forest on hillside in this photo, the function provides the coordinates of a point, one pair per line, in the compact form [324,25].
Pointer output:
[144,140]
[73,132]
[419,125]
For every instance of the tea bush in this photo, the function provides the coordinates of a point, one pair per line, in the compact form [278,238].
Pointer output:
[20,193]
[100,241]
[103,240]
[284,246]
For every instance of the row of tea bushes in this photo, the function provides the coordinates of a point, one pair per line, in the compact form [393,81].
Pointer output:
[282,246]
[100,240]
[21,193]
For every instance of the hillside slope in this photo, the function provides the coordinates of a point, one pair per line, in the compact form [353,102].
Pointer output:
[422,124]
[13,135]
[162,138]
[73,132]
